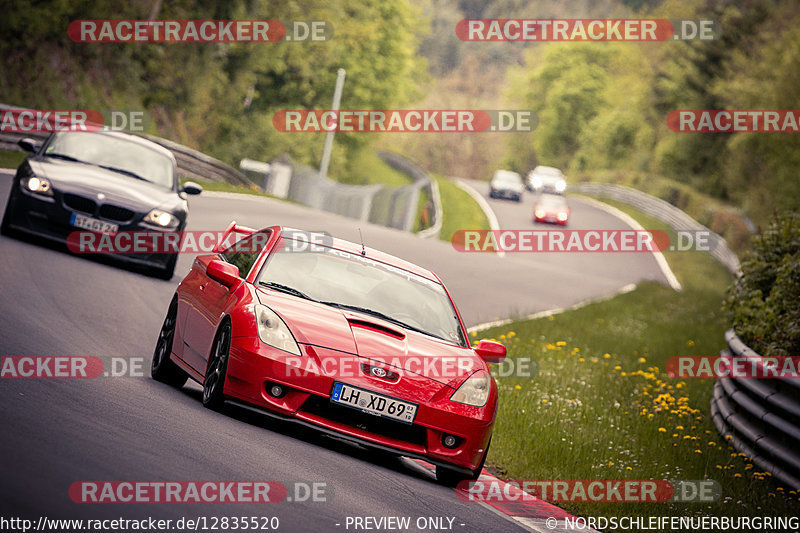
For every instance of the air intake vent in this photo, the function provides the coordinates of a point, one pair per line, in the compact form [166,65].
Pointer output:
[365,324]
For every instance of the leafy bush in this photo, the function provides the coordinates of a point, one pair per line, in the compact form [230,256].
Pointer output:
[764,303]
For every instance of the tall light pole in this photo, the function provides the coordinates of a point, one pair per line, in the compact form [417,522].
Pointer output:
[326,151]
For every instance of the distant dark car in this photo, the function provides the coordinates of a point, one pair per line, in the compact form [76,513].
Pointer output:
[100,181]
[506,184]
[551,208]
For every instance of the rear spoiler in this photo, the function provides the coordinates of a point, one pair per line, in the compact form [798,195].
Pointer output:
[232,228]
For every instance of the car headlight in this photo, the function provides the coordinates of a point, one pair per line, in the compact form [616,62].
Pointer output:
[537,183]
[273,330]
[539,213]
[561,186]
[161,219]
[474,391]
[38,185]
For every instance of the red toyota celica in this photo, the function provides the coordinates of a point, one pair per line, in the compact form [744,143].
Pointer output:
[343,338]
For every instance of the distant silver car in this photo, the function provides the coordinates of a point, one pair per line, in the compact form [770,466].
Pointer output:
[546,179]
[506,184]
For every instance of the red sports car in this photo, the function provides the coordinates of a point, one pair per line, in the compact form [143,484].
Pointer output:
[551,208]
[327,333]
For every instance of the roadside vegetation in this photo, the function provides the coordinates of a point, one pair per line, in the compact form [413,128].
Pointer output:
[460,210]
[602,406]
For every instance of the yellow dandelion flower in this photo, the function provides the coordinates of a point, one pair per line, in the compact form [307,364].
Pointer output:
[662,430]
[561,343]
[642,360]
[606,356]
[690,343]
[581,359]
[628,468]
[517,387]
[698,451]
[737,474]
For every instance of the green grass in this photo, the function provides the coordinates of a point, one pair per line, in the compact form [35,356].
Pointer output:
[11,158]
[366,168]
[602,407]
[460,210]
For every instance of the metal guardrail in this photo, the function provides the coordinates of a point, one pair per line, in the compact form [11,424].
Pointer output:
[191,163]
[665,212]
[394,207]
[760,417]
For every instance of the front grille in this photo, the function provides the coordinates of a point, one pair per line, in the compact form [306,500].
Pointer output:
[115,213]
[80,203]
[385,427]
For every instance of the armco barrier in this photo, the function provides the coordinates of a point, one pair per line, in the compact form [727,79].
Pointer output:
[394,207]
[663,211]
[191,163]
[761,417]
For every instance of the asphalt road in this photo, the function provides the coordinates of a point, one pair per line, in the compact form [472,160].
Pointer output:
[59,431]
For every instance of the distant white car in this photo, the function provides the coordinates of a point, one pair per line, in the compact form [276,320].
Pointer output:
[506,184]
[546,179]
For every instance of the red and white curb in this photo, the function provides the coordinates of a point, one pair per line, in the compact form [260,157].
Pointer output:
[527,511]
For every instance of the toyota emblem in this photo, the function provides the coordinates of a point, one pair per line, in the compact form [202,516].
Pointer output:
[378,372]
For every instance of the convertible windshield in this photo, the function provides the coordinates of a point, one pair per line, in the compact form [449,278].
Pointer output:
[115,154]
[361,284]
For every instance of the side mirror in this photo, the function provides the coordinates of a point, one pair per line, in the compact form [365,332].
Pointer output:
[223,272]
[191,187]
[28,144]
[490,351]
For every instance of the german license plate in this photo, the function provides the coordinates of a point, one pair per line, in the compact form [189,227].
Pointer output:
[373,403]
[92,224]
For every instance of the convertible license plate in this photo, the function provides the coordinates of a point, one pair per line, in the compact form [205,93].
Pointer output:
[92,224]
[376,404]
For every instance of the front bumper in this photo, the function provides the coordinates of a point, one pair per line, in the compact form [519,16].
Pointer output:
[253,367]
[49,218]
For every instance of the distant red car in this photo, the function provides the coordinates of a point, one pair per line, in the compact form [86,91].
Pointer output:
[349,340]
[551,208]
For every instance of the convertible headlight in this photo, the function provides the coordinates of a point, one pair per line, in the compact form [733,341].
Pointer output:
[161,219]
[38,185]
[273,330]
[474,391]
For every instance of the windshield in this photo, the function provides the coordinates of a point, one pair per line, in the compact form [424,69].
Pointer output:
[123,156]
[508,178]
[343,279]
[552,202]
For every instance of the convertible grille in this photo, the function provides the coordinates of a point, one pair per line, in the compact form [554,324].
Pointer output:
[80,203]
[384,427]
[116,213]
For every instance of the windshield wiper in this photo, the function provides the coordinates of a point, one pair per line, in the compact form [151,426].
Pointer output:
[384,316]
[123,171]
[64,157]
[287,289]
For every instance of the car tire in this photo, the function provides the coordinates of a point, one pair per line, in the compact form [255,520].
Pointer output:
[451,478]
[167,270]
[214,383]
[162,368]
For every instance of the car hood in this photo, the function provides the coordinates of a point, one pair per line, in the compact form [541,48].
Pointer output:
[88,180]
[374,340]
